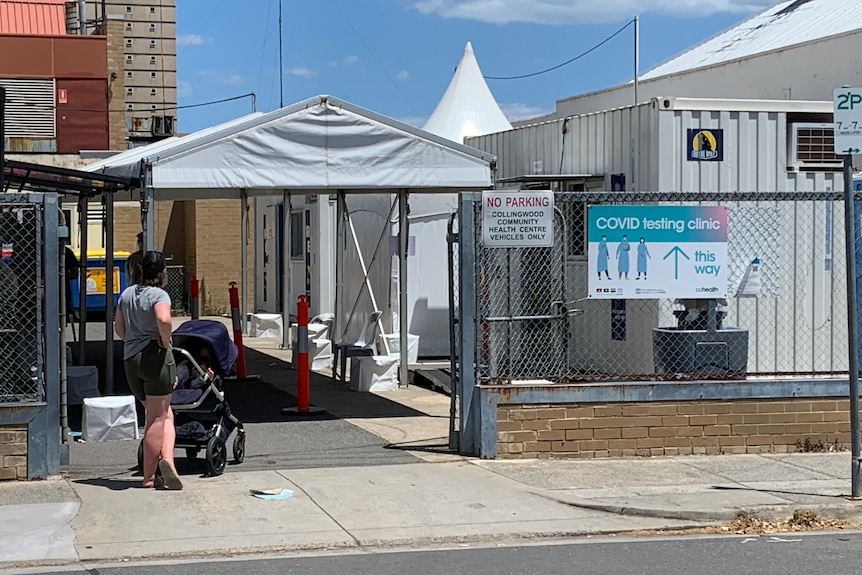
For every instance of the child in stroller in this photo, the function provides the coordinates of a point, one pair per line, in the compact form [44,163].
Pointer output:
[204,354]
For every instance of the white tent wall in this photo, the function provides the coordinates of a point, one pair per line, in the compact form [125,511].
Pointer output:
[368,263]
[427,272]
[428,281]
[311,264]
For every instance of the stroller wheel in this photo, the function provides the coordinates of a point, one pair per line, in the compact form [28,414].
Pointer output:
[239,448]
[141,456]
[216,455]
[192,453]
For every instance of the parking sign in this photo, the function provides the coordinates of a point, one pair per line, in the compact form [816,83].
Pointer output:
[848,121]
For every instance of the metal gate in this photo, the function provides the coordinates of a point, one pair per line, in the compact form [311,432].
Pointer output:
[21,311]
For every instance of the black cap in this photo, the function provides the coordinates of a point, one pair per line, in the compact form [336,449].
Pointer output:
[153,264]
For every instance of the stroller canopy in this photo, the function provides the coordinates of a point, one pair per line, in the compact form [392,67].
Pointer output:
[214,334]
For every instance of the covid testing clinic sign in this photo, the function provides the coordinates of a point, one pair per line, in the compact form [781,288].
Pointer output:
[518,219]
[655,252]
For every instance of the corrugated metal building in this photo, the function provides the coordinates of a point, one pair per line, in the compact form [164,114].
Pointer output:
[774,145]
[795,50]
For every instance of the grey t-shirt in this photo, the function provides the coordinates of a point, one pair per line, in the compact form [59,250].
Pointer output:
[137,305]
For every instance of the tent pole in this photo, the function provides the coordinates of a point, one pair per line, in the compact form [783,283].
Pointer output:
[340,210]
[148,217]
[244,259]
[285,268]
[403,234]
[109,293]
[82,282]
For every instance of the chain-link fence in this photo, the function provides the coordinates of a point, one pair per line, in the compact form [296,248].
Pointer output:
[21,314]
[177,286]
[535,319]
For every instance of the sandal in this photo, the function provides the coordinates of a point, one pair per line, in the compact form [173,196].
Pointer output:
[169,476]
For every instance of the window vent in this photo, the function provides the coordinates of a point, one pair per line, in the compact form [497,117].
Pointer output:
[812,148]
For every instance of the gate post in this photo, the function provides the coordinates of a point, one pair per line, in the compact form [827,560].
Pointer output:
[469,428]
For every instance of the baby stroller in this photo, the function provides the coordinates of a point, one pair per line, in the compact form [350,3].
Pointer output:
[202,416]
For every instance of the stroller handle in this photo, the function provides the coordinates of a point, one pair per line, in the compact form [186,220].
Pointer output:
[191,359]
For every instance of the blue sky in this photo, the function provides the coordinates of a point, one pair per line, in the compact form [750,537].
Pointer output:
[396,57]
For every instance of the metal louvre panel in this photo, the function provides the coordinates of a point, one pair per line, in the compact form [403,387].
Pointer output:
[30,108]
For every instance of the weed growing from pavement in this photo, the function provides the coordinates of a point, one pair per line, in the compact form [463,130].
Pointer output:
[808,446]
[752,524]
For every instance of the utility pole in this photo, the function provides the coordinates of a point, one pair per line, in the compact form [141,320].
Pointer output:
[637,56]
[280,59]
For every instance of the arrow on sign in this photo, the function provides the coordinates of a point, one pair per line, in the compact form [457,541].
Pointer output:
[676,252]
[849,151]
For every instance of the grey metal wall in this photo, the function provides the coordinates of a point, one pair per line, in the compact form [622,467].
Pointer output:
[756,140]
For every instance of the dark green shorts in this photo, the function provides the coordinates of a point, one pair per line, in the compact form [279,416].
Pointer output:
[152,371]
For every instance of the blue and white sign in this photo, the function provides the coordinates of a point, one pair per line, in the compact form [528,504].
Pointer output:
[656,252]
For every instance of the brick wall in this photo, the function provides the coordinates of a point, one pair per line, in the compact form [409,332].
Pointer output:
[13,452]
[669,428]
[217,254]
[127,224]
[202,235]
[116,84]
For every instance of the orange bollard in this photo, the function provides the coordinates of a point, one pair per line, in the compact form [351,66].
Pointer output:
[302,371]
[237,329]
[302,375]
[194,296]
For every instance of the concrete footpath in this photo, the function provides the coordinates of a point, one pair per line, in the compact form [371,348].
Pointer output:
[424,496]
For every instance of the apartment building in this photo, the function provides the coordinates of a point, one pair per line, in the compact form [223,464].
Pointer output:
[150,64]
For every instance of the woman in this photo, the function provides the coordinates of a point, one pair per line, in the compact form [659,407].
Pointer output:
[143,322]
[623,258]
[643,255]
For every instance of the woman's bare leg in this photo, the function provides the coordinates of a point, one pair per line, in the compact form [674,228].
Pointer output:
[157,407]
[169,437]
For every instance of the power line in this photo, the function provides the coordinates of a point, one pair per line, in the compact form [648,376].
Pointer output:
[71,109]
[567,62]
[373,55]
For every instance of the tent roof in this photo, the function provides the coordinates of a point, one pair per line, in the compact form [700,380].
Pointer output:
[318,144]
[467,108]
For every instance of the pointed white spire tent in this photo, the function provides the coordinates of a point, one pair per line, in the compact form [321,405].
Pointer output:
[467,108]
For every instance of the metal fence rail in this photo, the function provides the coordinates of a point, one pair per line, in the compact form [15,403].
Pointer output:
[21,312]
[534,319]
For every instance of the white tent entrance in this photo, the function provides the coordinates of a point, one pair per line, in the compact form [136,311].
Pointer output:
[319,147]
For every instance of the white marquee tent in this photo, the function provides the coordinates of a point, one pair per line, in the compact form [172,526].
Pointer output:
[319,146]
[467,108]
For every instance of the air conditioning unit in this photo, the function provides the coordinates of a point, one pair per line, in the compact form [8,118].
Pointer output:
[163,125]
[811,147]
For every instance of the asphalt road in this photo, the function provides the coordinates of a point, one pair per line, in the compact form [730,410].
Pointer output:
[781,554]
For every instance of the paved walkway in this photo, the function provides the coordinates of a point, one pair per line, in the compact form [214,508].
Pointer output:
[395,485]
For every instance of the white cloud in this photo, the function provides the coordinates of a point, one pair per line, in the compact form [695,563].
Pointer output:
[191,40]
[516,112]
[578,11]
[351,59]
[301,71]
[402,75]
[221,78]
[184,88]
